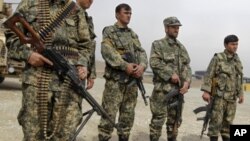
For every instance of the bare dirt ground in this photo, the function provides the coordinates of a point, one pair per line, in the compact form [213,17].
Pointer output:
[10,102]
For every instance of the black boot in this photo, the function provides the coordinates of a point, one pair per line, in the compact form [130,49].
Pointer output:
[214,138]
[153,138]
[172,139]
[225,138]
[102,138]
[123,138]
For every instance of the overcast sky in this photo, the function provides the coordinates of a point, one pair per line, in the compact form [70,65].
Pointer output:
[205,24]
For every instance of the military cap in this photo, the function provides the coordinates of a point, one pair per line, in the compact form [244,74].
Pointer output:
[171,21]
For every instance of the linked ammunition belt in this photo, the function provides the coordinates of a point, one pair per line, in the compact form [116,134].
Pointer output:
[66,51]
[47,27]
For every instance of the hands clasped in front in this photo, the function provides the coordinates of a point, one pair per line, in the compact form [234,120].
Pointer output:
[135,70]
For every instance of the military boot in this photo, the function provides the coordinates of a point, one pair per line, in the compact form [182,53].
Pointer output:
[103,138]
[123,138]
[172,139]
[225,138]
[214,138]
[153,138]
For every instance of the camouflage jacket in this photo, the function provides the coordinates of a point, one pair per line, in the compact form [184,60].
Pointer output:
[117,42]
[167,57]
[227,69]
[91,63]
[73,34]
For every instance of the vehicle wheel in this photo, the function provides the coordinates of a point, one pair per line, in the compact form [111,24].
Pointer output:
[1,79]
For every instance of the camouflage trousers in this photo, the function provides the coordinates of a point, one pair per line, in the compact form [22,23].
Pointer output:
[223,113]
[29,116]
[118,97]
[160,111]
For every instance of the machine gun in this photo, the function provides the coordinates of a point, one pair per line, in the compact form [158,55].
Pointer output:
[60,65]
[130,59]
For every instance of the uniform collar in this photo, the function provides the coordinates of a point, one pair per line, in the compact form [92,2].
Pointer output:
[229,56]
[171,41]
[122,28]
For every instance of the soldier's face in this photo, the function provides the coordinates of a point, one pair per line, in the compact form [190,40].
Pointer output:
[231,47]
[172,31]
[124,16]
[85,4]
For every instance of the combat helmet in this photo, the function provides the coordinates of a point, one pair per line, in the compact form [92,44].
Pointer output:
[171,21]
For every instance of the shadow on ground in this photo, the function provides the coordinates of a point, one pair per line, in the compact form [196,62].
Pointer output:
[191,137]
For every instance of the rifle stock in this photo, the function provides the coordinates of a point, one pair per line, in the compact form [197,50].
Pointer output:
[33,37]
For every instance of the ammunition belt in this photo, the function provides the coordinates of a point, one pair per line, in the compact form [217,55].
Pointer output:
[47,26]
[67,52]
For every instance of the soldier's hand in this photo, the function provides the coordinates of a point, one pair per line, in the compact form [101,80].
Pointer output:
[82,72]
[175,78]
[130,68]
[37,60]
[138,71]
[185,88]
[206,97]
[90,83]
[241,99]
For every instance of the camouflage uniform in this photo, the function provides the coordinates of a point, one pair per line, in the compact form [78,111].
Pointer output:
[91,63]
[118,95]
[168,56]
[72,36]
[227,69]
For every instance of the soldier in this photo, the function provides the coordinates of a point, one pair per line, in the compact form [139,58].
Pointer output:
[85,4]
[169,61]
[51,110]
[226,69]
[120,43]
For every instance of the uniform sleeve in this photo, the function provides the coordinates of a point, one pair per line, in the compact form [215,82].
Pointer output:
[141,53]
[92,67]
[210,74]
[17,50]
[187,71]
[158,65]
[84,42]
[239,68]
[109,53]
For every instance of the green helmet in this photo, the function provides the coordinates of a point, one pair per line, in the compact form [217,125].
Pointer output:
[171,21]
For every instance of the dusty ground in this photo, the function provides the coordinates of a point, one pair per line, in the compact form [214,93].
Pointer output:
[10,101]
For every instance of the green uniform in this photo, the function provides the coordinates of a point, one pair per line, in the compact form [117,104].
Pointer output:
[227,71]
[118,94]
[168,56]
[91,63]
[72,40]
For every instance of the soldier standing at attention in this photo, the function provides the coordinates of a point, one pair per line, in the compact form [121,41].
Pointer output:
[51,110]
[226,70]
[169,61]
[85,4]
[119,44]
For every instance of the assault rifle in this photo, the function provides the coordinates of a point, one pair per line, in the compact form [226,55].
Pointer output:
[208,109]
[130,59]
[175,93]
[60,65]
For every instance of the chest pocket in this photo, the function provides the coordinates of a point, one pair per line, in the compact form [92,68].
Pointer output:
[122,42]
[225,71]
[71,29]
